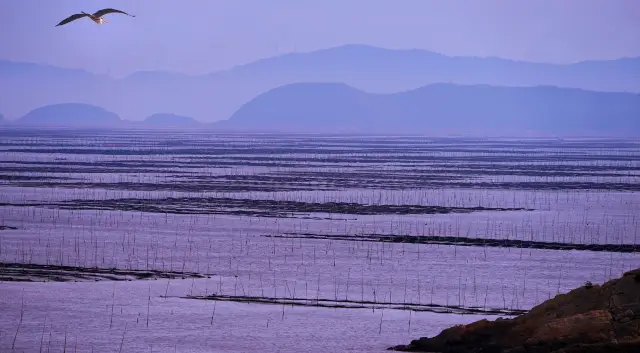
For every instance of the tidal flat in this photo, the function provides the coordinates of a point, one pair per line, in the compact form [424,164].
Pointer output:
[141,241]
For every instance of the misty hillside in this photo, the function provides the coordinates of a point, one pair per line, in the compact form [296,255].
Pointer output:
[441,108]
[218,95]
[70,115]
[170,120]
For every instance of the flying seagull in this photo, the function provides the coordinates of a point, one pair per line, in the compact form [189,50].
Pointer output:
[95,17]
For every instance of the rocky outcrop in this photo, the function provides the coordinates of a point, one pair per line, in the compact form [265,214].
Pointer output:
[589,319]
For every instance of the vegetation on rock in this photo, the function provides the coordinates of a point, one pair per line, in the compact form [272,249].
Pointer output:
[590,319]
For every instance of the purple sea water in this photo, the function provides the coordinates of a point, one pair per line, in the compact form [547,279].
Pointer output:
[233,248]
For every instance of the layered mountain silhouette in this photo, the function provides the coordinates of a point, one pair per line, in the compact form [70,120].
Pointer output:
[161,120]
[71,115]
[86,115]
[431,110]
[218,95]
[441,108]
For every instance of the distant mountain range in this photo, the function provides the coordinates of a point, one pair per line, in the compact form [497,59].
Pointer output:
[216,96]
[437,109]
[70,115]
[86,115]
[169,120]
[442,109]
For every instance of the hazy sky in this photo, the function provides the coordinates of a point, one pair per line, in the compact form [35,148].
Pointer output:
[197,36]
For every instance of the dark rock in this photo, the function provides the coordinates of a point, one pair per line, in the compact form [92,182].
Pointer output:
[589,319]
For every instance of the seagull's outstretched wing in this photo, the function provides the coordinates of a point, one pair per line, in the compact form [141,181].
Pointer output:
[72,18]
[103,12]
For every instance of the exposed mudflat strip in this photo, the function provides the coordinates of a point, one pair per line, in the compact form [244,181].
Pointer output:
[464,241]
[252,207]
[15,272]
[260,183]
[363,304]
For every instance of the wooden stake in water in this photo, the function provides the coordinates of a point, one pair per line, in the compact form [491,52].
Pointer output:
[65,341]
[122,341]
[19,322]
[113,303]
[148,305]
[214,311]
[44,324]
